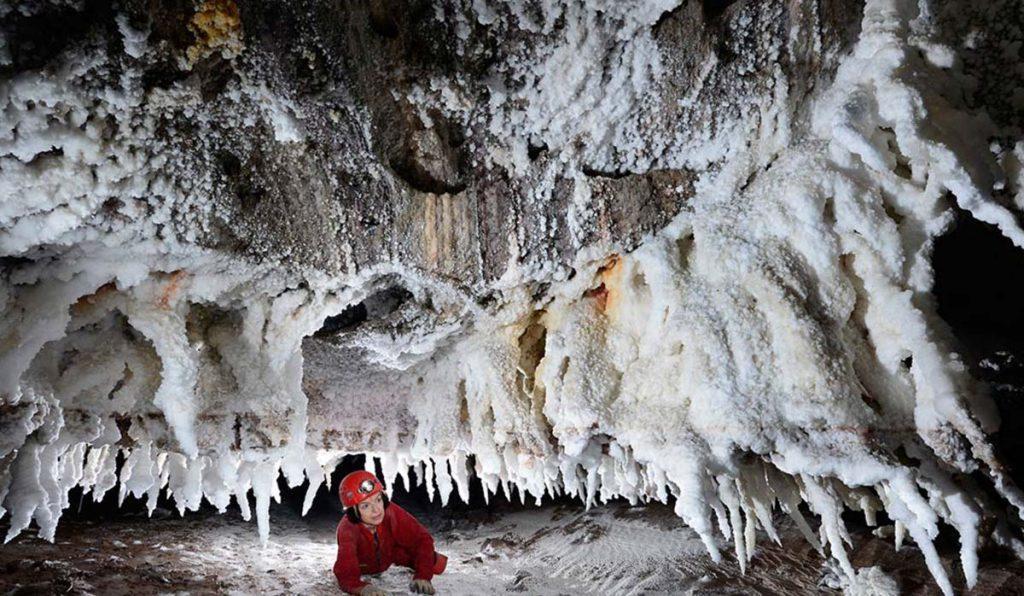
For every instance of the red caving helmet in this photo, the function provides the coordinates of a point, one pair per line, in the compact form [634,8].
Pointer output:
[356,487]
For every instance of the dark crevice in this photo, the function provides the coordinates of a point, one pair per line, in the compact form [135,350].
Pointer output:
[35,40]
[249,196]
[378,305]
[213,75]
[748,181]
[463,402]
[612,174]
[349,319]
[120,383]
[386,301]
[162,78]
[828,213]
[418,180]
[902,167]
[488,300]
[871,402]
[979,280]
[10,263]
[248,192]
[684,245]
[382,19]
[430,156]
[229,164]
[112,205]
[713,9]
[51,153]
[534,151]
[894,215]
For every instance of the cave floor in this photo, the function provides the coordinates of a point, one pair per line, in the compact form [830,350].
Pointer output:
[554,549]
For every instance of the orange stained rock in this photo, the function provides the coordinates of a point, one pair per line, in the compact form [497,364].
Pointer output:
[609,292]
[86,302]
[600,293]
[217,26]
[171,289]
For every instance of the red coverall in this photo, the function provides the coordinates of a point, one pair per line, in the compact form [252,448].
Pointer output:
[399,540]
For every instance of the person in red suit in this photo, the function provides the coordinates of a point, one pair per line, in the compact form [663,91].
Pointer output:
[375,534]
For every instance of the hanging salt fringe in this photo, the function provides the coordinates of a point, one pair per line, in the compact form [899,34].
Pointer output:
[264,487]
[241,489]
[444,480]
[388,471]
[460,474]
[822,500]
[403,473]
[923,534]
[727,493]
[788,494]
[720,508]
[757,497]
[184,481]
[428,478]
[759,323]
[419,473]
[487,492]
[317,477]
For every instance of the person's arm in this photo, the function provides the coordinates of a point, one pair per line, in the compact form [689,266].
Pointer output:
[346,566]
[418,540]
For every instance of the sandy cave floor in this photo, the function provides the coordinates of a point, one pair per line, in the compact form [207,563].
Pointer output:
[554,549]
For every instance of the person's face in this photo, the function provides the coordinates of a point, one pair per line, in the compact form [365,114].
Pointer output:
[371,511]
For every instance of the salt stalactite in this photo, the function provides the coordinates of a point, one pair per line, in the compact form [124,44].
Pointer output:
[80,438]
[775,345]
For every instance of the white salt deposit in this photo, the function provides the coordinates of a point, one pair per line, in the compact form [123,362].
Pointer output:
[774,345]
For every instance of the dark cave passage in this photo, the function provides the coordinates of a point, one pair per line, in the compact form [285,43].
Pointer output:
[979,278]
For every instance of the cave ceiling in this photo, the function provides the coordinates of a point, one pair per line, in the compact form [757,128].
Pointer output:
[669,250]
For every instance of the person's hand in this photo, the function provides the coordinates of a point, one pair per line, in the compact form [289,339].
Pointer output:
[372,590]
[422,586]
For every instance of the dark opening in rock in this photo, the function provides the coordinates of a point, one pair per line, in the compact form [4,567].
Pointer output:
[10,263]
[533,151]
[596,173]
[37,34]
[382,18]
[229,164]
[347,320]
[428,155]
[376,306]
[715,8]
[386,301]
[248,192]
[979,278]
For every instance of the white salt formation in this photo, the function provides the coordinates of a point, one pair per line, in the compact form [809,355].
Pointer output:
[775,344]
